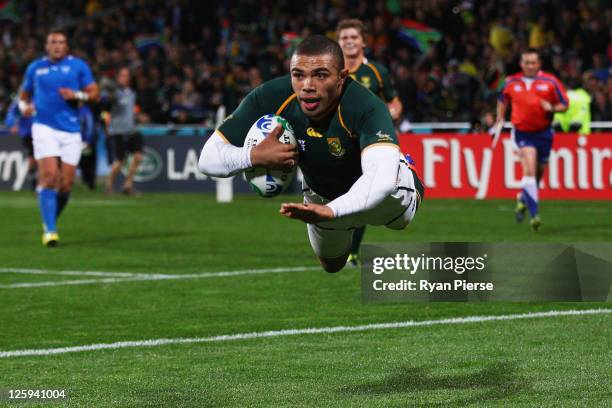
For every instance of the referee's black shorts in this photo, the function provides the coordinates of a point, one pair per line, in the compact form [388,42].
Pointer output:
[120,144]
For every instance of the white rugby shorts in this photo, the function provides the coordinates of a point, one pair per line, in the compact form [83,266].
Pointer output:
[333,239]
[50,142]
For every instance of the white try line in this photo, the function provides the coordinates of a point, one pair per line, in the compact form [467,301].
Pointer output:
[127,277]
[294,332]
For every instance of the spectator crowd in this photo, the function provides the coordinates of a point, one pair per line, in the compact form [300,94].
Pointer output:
[188,58]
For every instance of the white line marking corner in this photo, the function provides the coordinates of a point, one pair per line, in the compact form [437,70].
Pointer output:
[293,332]
[119,277]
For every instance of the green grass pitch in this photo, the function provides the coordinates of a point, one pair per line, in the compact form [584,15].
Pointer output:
[557,361]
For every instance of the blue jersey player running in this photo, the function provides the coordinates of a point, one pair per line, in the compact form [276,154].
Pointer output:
[56,84]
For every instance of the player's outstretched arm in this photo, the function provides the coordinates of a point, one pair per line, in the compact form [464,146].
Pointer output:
[309,213]
[380,165]
[219,158]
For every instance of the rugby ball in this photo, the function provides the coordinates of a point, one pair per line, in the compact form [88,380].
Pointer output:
[268,182]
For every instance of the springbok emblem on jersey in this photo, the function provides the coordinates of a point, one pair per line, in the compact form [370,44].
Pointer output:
[335,147]
[365,81]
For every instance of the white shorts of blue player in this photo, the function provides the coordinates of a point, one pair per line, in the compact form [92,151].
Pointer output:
[50,142]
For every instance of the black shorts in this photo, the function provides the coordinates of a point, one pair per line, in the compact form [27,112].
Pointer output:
[118,145]
[27,145]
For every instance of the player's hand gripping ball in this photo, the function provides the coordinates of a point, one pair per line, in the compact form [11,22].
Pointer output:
[269,182]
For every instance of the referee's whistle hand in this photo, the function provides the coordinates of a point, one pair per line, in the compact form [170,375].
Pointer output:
[547,106]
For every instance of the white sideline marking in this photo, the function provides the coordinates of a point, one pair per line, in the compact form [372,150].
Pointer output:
[153,277]
[70,273]
[293,332]
[77,202]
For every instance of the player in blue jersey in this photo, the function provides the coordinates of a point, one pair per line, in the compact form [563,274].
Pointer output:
[52,89]
[21,125]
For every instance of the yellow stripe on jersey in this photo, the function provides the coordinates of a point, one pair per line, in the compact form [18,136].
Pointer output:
[217,131]
[378,77]
[284,105]
[350,134]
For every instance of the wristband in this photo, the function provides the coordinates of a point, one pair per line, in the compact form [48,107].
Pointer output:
[22,105]
[81,96]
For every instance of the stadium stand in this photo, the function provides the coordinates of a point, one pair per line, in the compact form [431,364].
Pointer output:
[448,58]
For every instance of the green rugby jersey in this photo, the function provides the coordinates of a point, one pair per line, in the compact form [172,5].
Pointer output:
[330,150]
[376,78]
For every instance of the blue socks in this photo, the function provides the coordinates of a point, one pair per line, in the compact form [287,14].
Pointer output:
[529,195]
[62,200]
[47,200]
[51,204]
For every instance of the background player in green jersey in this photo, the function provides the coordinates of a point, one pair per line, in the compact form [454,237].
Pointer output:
[350,34]
[354,172]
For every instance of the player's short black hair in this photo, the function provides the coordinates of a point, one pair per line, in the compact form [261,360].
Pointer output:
[321,45]
[58,31]
[531,50]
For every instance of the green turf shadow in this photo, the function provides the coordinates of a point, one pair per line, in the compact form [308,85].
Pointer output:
[496,381]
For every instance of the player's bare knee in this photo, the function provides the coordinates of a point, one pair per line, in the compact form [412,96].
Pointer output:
[48,183]
[48,179]
[66,186]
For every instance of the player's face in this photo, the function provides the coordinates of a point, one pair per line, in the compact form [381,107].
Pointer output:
[317,83]
[351,42]
[123,78]
[530,64]
[56,46]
